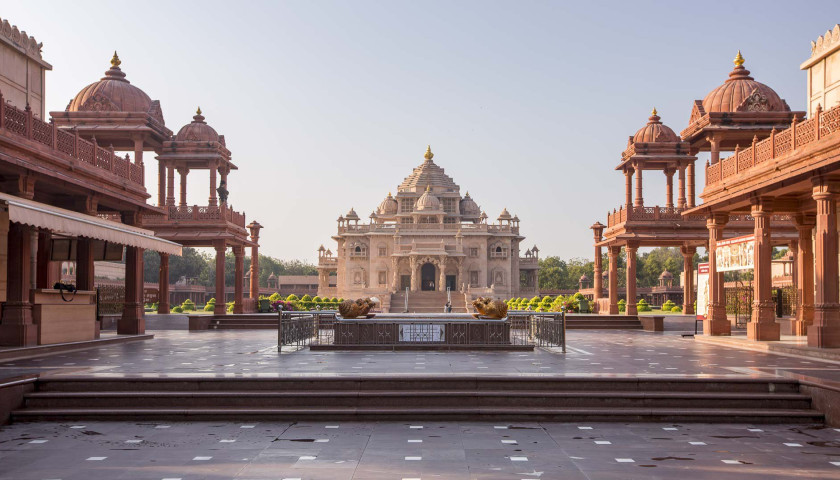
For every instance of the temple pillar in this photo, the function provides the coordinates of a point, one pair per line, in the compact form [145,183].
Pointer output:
[612,254]
[254,287]
[688,275]
[212,200]
[669,188]
[132,321]
[598,281]
[170,185]
[716,323]
[239,269]
[161,184]
[84,264]
[804,274]
[628,187]
[681,188]
[415,280]
[44,273]
[163,284]
[631,249]
[221,308]
[16,327]
[442,275]
[690,185]
[825,331]
[762,325]
[183,172]
[639,202]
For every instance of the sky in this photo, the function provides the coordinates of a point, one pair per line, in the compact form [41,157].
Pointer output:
[328,105]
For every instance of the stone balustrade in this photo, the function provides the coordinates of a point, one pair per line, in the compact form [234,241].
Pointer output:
[407,227]
[197,214]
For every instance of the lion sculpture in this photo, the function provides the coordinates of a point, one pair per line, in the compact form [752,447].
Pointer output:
[487,307]
[356,308]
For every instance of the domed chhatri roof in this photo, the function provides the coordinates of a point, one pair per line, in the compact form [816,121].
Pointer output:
[665,274]
[428,173]
[272,276]
[197,130]
[112,93]
[655,131]
[427,202]
[468,206]
[505,215]
[583,278]
[351,215]
[388,206]
[740,92]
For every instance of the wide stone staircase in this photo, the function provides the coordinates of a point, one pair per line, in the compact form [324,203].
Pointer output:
[428,302]
[677,399]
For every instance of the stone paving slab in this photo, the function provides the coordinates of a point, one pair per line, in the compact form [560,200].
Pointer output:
[424,450]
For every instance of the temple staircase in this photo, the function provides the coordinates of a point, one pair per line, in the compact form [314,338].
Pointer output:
[427,302]
[441,398]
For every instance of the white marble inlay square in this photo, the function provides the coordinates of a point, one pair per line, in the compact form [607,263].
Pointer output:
[696,443]
[584,428]
[602,442]
[39,441]
[227,440]
[162,426]
[731,462]
[500,427]
[96,459]
[668,428]
[331,426]
[307,457]
[201,459]
[836,464]
[625,460]
[133,441]
[755,430]
[415,426]
[414,458]
[518,459]
[247,426]
[509,442]
[415,441]
[77,427]
[179,478]
[793,444]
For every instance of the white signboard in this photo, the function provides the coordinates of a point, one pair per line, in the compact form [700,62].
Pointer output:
[735,254]
[702,311]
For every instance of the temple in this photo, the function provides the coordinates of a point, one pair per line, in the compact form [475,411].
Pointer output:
[426,239]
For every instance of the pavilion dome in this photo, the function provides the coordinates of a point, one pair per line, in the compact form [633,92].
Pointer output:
[388,206]
[113,93]
[740,92]
[665,274]
[351,215]
[655,131]
[427,202]
[468,206]
[505,215]
[583,278]
[197,130]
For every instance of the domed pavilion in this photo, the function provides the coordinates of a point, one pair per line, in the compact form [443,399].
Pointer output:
[430,240]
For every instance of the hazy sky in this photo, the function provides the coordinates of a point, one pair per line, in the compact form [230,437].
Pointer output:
[329,105]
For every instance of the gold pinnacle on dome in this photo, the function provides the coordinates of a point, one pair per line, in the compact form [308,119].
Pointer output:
[198,111]
[653,112]
[739,60]
[429,155]
[428,187]
[115,60]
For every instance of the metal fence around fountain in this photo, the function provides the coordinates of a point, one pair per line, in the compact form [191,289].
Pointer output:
[540,329]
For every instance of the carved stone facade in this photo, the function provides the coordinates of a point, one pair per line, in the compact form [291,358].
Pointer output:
[428,237]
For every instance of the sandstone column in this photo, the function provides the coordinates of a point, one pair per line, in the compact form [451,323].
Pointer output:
[239,269]
[669,188]
[84,264]
[630,249]
[804,274]
[681,188]
[688,274]
[690,181]
[132,321]
[825,331]
[16,328]
[716,323]
[639,202]
[183,172]
[628,188]
[612,253]
[254,287]
[221,308]
[442,276]
[763,324]
[163,284]
[414,276]
[212,200]
[161,184]
[170,185]
[44,276]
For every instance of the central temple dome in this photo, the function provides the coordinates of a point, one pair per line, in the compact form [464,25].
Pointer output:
[740,92]
[655,131]
[197,130]
[427,202]
[112,93]
[428,173]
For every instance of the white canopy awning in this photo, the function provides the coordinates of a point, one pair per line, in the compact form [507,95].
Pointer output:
[59,220]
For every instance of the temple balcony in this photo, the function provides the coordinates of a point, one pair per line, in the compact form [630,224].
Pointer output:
[525,262]
[410,227]
[328,262]
[196,215]
[649,214]
[791,152]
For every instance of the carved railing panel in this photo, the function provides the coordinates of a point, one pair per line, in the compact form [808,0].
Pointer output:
[42,132]
[65,142]
[15,120]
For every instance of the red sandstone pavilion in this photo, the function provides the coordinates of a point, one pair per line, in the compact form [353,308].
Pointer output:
[781,185]
[67,193]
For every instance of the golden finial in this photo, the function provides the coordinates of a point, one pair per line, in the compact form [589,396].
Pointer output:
[115,60]
[429,155]
[653,112]
[198,111]
[739,60]
[428,187]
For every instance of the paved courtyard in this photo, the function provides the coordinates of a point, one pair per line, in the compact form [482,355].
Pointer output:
[424,450]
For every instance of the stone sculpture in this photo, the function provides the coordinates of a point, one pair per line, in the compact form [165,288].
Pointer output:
[489,308]
[356,308]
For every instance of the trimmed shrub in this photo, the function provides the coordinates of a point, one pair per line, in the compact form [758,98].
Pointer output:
[667,306]
[622,305]
[642,306]
[318,299]
[306,298]
[275,296]
[210,306]
[188,305]
[177,310]
[292,298]
[676,309]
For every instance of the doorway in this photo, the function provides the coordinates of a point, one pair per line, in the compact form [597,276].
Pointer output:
[450,282]
[427,277]
[405,282]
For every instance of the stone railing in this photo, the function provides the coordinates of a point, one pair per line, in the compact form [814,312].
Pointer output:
[407,227]
[67,143]
[651,214]
[327,261]
[779,144]
[526,261]
[197,214]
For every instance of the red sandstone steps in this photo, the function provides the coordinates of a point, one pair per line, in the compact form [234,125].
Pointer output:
[453,398]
